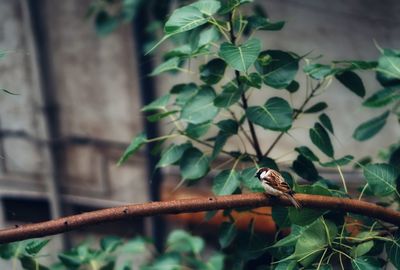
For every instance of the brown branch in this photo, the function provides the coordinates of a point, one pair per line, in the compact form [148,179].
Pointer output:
[252,200]
[255,143]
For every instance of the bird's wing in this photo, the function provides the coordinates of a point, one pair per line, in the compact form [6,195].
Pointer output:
[277,182]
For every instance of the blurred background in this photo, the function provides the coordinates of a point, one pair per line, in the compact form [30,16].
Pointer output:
[80,89]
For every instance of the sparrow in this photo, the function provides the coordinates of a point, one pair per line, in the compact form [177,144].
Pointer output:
[274,184]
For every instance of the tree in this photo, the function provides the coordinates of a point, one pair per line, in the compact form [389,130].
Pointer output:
[220,33]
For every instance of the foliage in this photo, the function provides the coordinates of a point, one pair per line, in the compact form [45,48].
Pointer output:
[219,35]
[233,65]
[183,250]
[231,72]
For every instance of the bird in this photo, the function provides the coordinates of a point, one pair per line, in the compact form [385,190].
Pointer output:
[274,184]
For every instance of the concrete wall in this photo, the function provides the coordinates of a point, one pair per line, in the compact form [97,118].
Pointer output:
[97,98]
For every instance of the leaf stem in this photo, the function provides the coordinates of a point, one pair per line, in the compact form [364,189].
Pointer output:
[322,258]
[342,178]
[162,138]
[362,191]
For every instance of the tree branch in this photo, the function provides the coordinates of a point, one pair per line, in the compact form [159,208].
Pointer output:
[252,200]
[255,143]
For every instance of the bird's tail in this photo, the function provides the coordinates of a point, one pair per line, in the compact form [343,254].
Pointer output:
[293,201]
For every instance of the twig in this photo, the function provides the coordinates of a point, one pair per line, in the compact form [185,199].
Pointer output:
[252,200]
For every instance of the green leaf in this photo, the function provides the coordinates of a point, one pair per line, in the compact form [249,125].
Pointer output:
[249,181]
[362,249]
[262,23]
[35,246]
[371,127]
[206,37]
[352,82]
[338,162]
[304,168]
[306,216]
[9,250]
[320,106]
[30,263]
[227,234]
[207,7]
[185,92]
[169,65]
[240,57]
[318,71]
[216,262]
[287,265]
[161,115]
[280,215]
[181,52]
[229,5]
[158,104]
[313,240]
[382,98]
[166,261]
[279,71]
[172,154]
[228,126]
[70,259]
[220,141]
[110,243]
[200,108]
[182,241]
[105,23]
[366,263]
[388,70]
[326,122]
[393,250]
[136,245]
[252,80]
[184,19]
[320,138]
[306,152]
[193,164]
[276,114]
[291,239]
[197,130]
[226,182]
[229,96]
[136,143]
[213,71]
[181,87]
[293,86]
[357,64]
[381,178]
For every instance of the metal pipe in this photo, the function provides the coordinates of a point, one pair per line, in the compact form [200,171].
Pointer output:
[47,87]
[148,94]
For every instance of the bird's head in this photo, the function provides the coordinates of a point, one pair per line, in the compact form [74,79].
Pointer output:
[260,172]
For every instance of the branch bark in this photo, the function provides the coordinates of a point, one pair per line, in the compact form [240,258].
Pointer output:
[252,200]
